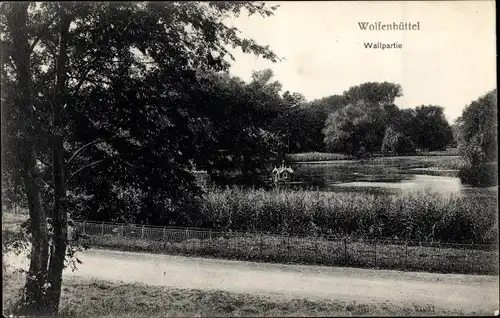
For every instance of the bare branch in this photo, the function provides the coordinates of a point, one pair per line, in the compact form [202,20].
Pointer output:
[87,166]
[99,161]
[90,144]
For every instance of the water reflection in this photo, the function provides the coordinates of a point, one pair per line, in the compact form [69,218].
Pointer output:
[413,182]
[357,176]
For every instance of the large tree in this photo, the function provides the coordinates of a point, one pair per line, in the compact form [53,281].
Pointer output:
[384,93]
[102,97]
[430,129]
[239,136]
[396,142]
[477,130]
[315,114]
[360,126]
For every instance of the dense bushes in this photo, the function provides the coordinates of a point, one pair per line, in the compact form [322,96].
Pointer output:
[485,174]
[416,216]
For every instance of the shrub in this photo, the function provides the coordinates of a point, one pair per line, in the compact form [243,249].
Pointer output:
[485,174]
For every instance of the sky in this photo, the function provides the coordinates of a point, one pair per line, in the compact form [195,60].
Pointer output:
[449,62]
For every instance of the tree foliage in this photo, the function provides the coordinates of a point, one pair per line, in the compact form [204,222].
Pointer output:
[477,140]
[359,127]
[477,130]
[379,93]
[395,142]
[239,137]
[430,129]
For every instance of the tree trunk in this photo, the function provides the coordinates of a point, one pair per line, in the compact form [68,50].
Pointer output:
[36,278]
[60,220]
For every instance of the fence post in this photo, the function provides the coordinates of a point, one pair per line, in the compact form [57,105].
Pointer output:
[164,232]
[123,230]
[375,253]
[187,234]
[316,250]
[102,228]
[465,259]
[406,254]
[288,249]
[345,251]
[142,231]
[260,245]
[84,230]
[210,233]
[472,263]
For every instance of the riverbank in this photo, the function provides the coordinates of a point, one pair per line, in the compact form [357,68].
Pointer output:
[448,162]
[310,157]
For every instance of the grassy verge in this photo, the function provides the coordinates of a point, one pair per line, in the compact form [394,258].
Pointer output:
[90,298]
[447,152]
[316,156]
[294,250]
[327,156]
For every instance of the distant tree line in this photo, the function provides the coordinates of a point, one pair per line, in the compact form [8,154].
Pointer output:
[364,120]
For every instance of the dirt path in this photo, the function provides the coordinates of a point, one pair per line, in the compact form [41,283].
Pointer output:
[465,292]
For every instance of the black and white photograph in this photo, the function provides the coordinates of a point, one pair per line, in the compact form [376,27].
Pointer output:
[249,158]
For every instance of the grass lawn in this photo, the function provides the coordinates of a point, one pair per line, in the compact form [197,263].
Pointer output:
[90,297]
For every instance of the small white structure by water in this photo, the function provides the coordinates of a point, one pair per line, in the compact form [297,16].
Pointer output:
[282,173]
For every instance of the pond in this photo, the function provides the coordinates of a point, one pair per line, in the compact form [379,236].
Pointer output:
[390,175]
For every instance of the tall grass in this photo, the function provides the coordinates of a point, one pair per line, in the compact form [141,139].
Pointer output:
[417,216]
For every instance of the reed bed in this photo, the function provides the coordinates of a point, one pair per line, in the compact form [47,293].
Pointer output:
[424,215]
